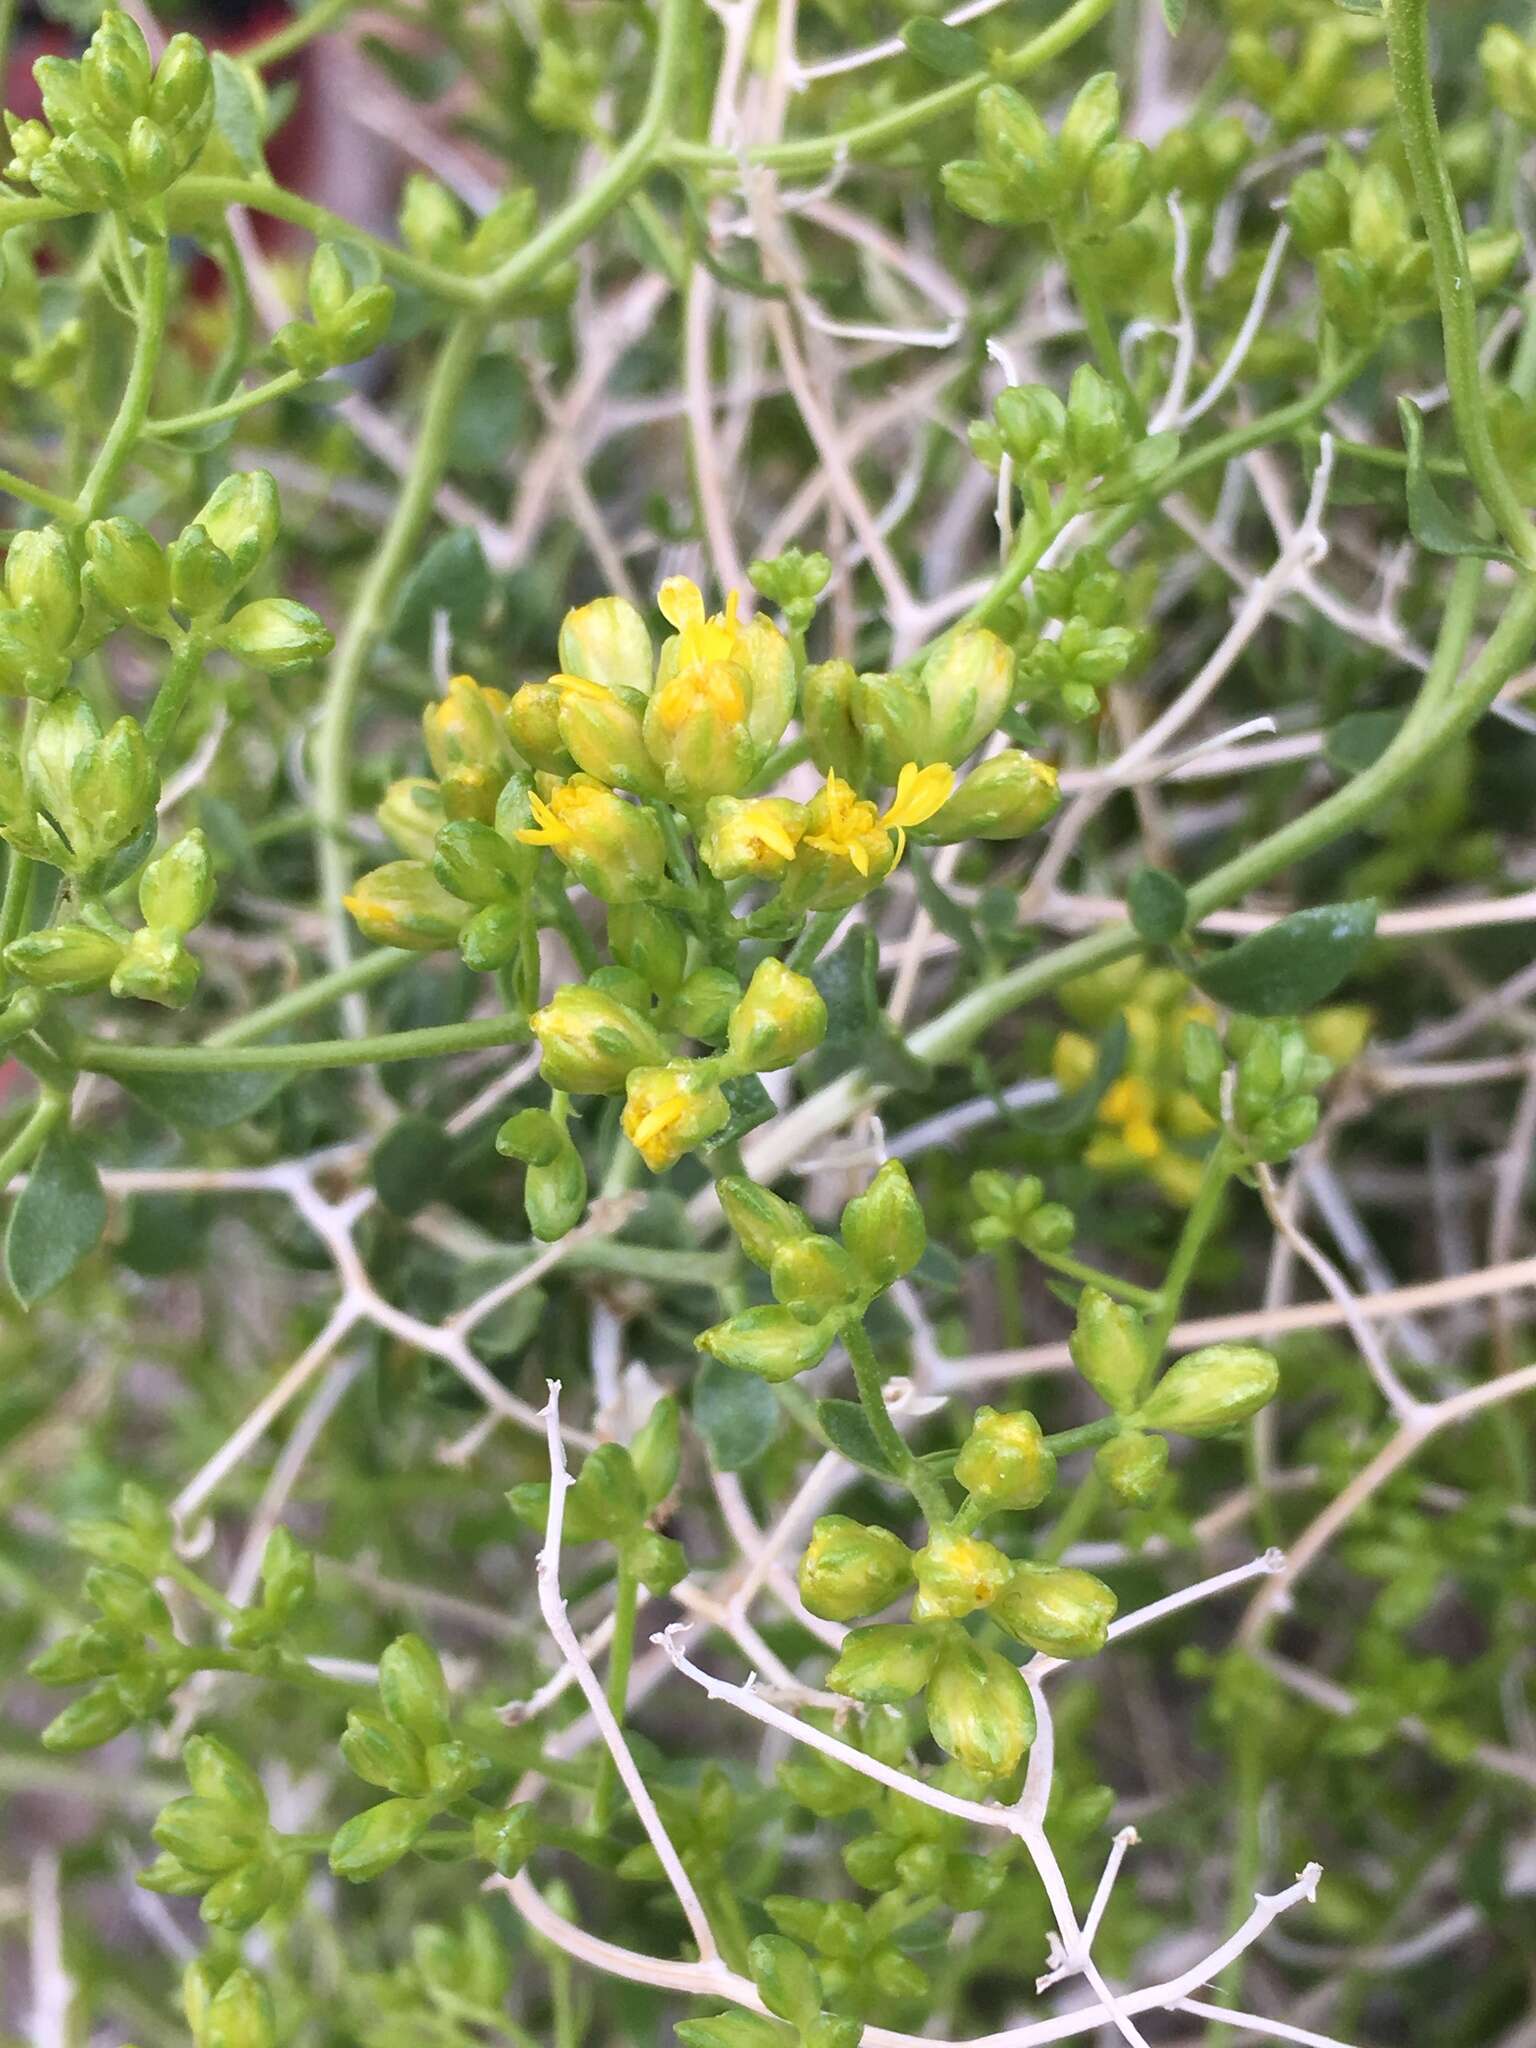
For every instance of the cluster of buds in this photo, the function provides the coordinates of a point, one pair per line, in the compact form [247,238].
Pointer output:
[1373,270]
[820,1285]
[1509,69]
[75,796]
[227,2005]
[1014,1208]
[348,318]
[867,727]
[794,581]
[191,583]
[1066,665]
[219,1842]
[1312,73]
[857,1963]
[620,1491]
[1148,1121]
[1201,1395]
[40,346]
[117,130]
[435,227]
[405,1747]
[44,626]
[1270,1104]
[152,964]
[451,1970]
[1085,448]
[1084,182]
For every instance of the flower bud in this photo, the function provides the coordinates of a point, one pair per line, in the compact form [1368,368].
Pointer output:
[87,1722]
[1132,1465]
[607,642]
[156,968]
[764,1223]
[697,733]
[1005,1461]
[967,684]
[412,814]
[1004,797]
[779,1019]
[127,570]
[768,1341]
[591,1043]
[1056,1609]
[787,1980]
[750,838]
[242,519]
[276,635]
[1032,422]
[1379,225]
[1211,1389]
[826,711]
[1318,212]
[94,1652]
[850,1569]
[979,1709]
[383,1754]
[814,1277]
[151,166]
[669,1110]
[793,581]
[176,891]
[404,904]
[467,728]
[115,70]
[1351,298]
[603,731]
[368,1844]
[1018,147]
[413,1690]
[650,941]
[702,1006]
[891,716]
[884,1228]
[96,791]
[238,1899]
[1109,1348]
[70,959]
[613,848]
[183,86]
[1092,120]
[475,863]
[1096,429]
[1118,183]
[203,578]
[42,584]
[506,1840]
[956,1575]
[533,720]
[886,1663]
[239,2014]
[555,1191]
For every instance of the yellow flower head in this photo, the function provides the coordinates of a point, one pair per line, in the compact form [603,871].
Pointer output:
[1130,1105]
[701,640]
[750,836]
[613,848]
[668,1110]
[849,827]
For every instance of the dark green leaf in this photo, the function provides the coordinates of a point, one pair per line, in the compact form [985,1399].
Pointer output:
[735,1413]
[751,1105]
[938,47]
[1359,741]
[1075,1112]
[207,1102]
[846,980]
[451,577]
[1431,521]
[945,913]
[56,1220]
[847,1429]
[891,1063]
[1158,906]
[1294,964]
[411,1163]
[237,111]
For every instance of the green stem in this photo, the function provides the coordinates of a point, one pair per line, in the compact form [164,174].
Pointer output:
[923,1487]
[380,585]
[620,1656]
[205,1595]
[1075,1518]
[314,995]
[1101,335]
[134,408]
[230,408]
[13,486]
[107,1056]
[1203,1211]
[33,1135]
[1086,1436]
[283,42]
[1095,1276]
[170,699]
[1413,89]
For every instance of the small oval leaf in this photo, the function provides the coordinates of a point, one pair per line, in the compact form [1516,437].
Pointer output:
[1158,906]
[1292,965]
[57,1219]
[735,1413]
[948,51]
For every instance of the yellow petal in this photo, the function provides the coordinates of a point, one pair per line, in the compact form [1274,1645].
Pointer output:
[654,1123]
[919,793]
[859,855]
[580,686]
[775,838]
[681,603]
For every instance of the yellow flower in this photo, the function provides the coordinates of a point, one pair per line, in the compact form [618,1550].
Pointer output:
[613,848]
[751,836]
[668,1110]
[1130,1103]
[850,828]
[701,640]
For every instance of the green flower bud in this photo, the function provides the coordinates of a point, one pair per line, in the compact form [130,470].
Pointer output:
[89,1721]
[1318,212]
[42,585]
[127,571]
[176,891]
[183,87]
[1004,797]
[607,642]
[1118,183]
[555,1192]
[650,941]
[669,1110]
[1005,1461]
[967,682]
[94,1652]
[956,1575]
[371,1842]
[66,103]
[203,578]
[814,1277]
[506,1840]
[891,716]
[793,581]
[656,1450]
[702,1006]
[129,1602]
[826,711]
[884,1228]
[156,968]
[1211,1389]
[786,1979]
[1032,424]
[606,1495]
[276,635]
[95,791]
[287,1576]
[769,1341]
[603,731]
[1132,1466]
[137,1547]
[217,1774]
[71,959]
[1379,224]
[166,1875]
[1109,1348]
[301,348]
[151,167]
[1096,428]
[885,1663]
[403,904]
[658,1562]
[1092,120]
[1019,153]
[431,221]
[361,326]
[210,1835]
[1509,70]
[474,862]
[238,1899]
[779,1019]
[453,1769]
[239,2015]
[979,1709]
[533,721]
[850,1569]
[383,1754]
[242,519]
[115,70]
[764,1222]
[1056,1609]
[412,814]
[1280,1133]
[1351,298]
[591,1044]
[413,1690]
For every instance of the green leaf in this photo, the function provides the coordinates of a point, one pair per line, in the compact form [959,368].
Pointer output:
[207,1102]
[735,1413]
[1174,12]
[57,1219]
[848,1430]
[948,51]
[734,2030]
[751,1105]
[1158,906]
[452,577]
[846,980]
[1431,521]
[1075,1112]
[1293,965]
[237,111]
[411,1164]
[1359,741]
